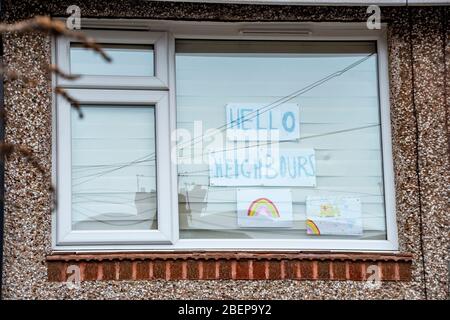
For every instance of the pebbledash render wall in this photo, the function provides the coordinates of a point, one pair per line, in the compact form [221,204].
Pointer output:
[419,66]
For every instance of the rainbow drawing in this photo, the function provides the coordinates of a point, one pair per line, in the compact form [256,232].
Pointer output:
[263,207]
[311,227]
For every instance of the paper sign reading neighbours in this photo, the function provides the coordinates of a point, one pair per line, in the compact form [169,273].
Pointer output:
[290,167]
[262,122]
[333,216]
[264,208]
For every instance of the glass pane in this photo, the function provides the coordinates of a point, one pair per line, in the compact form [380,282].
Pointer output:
[255,162]
[114,168]
[127,60]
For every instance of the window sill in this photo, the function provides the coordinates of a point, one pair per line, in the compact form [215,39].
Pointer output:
[229,265]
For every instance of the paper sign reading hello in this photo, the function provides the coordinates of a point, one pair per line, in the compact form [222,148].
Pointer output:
[262,122]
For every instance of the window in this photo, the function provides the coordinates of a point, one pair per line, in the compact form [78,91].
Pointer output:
[338,120]
[109,162]
[226,140]
[136,60]
[104,194]
[139,60]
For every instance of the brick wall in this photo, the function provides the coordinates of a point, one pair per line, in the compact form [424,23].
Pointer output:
[230,265]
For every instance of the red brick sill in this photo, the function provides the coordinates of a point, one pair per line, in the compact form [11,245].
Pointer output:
[230,265]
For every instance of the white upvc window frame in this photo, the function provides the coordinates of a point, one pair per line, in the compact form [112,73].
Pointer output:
[160,101]
[157,39]
[248,31]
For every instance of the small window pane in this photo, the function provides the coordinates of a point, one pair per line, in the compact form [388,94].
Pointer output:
[114,168]
[127,60]
[338,122]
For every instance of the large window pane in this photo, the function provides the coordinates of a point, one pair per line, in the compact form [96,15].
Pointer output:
[114,168]
[127,60]
[339,129]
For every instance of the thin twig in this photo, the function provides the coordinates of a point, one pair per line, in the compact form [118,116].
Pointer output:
[54,69]
[12,75]
[75,103]
[7,149]
[56,27]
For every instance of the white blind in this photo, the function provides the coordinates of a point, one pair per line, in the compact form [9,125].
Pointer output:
[113,168]
[127,60]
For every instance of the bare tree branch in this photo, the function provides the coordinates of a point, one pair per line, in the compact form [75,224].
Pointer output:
[74,103]
[47,25]
[54,27]
[54,69]
[12,75]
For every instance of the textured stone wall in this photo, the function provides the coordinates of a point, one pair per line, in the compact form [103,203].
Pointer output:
[428,36]
[419,59]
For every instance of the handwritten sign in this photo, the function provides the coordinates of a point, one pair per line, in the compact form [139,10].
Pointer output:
[290,167]
[333,216]
[264,208]
[262,122]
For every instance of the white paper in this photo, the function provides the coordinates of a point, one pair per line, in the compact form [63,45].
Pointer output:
[333,216]
[264,208]
[287,167]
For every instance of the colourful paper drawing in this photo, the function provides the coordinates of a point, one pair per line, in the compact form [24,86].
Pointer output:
[333,216]
[264,208]
[311,227]
[329,210]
